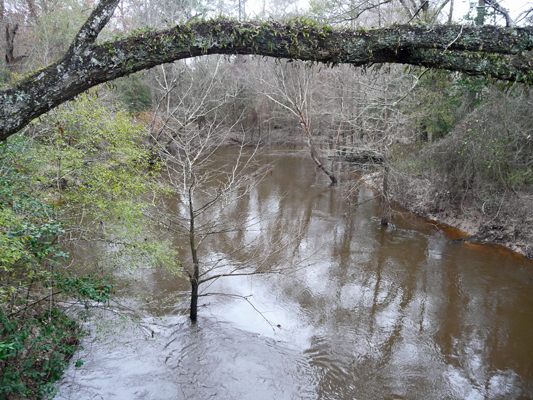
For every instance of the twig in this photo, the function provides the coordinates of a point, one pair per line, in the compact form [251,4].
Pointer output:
[454,40]
[35,302]
[244,298]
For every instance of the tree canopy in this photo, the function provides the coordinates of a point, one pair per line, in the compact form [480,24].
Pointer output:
[497,52]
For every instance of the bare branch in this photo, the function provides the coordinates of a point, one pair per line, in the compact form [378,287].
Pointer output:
[406,8]
[246,298]
[524,15]
[93,26]
[237,274]
[498,8]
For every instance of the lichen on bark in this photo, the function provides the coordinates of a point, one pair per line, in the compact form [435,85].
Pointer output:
[501,53]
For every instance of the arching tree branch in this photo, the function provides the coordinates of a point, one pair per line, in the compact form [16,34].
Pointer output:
[503,53]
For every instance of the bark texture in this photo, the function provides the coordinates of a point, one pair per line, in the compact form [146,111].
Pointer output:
[501,53]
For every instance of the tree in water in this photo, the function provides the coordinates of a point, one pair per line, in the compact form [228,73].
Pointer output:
[206,188]
[292,87]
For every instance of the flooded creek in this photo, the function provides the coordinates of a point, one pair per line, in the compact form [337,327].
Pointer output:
[369,312]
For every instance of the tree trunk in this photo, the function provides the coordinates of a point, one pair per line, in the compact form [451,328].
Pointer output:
[486,51]
[194,300]
[319,162]
[314,152]
[195,278]
[11,32]
[450,16]
[481,11]
[385,205]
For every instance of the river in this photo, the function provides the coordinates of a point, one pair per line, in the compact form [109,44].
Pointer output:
[367,313]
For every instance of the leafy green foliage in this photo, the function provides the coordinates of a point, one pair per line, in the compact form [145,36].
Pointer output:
[85,175]
[5,76]
[36,338]
[29,227]
[34,350]
[442,99]
[133,93]
[84,289]
[436,105]
[98,171]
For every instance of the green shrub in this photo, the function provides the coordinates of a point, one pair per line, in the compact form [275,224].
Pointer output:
[34,351]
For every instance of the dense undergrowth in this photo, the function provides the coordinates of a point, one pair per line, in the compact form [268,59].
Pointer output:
[37,337]
[34,352]
[79,177]
[479,169]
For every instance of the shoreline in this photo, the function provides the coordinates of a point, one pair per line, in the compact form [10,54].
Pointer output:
[473,226]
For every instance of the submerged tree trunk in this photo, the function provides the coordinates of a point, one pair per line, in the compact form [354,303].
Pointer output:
[195,276]
[385,204]
[312,148]
[318,161]
[194,300]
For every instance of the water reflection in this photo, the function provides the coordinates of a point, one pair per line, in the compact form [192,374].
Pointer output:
[378,313]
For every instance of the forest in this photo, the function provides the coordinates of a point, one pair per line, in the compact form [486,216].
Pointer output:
[109,109]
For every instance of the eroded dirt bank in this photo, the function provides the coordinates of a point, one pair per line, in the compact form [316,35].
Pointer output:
[508,224]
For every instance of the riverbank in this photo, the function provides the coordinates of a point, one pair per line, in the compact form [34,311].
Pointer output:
[508,224]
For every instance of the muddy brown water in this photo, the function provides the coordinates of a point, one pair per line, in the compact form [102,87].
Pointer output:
[377,313]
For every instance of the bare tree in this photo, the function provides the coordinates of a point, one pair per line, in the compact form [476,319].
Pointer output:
[206,191]
[378,13]
[292,88]
[206,194]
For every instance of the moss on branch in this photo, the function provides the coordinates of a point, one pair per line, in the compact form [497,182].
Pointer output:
[502,53]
